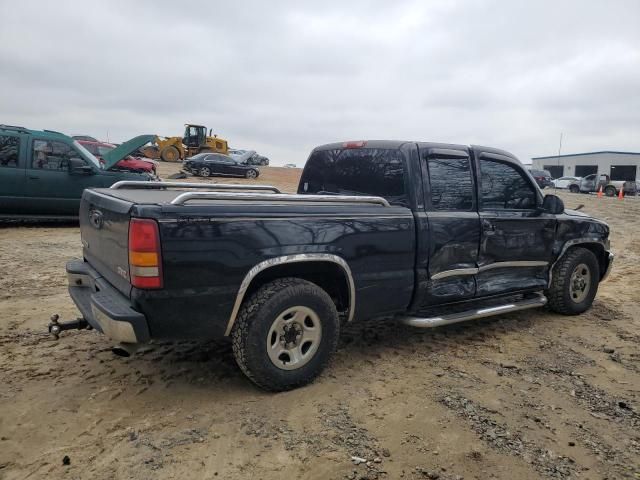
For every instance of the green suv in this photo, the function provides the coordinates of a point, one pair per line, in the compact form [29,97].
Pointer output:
[43,173]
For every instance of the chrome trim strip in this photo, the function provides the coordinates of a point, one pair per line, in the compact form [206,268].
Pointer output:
[570,243]
[454,273]
[538,301]
[209,186]
[284,197]
[473,271]
[326,216]
[302,257]
[514,264]
[609,266]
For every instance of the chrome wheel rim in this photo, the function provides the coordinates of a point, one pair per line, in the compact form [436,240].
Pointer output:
[294,338]
[251,174]
[580,283]
[205,172]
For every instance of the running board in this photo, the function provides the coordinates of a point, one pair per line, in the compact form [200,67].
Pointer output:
[538,301]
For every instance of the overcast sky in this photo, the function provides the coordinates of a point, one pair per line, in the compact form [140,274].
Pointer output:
[282,77]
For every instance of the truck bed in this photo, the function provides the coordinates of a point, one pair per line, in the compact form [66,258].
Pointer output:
[210,245]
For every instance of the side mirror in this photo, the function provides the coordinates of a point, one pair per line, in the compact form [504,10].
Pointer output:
[78,167]
[553,204]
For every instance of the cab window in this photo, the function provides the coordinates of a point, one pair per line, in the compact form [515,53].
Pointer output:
[451,184]
[52,155]
[362,171]
[504,187]
[9,150]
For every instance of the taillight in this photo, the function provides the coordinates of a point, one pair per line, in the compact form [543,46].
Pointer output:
[145,259]
[358,144]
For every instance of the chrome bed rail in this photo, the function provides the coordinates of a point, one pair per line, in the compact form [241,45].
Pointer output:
[278,197]
[187,185]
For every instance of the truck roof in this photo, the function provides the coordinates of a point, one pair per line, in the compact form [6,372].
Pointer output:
[41,133]
[395,144]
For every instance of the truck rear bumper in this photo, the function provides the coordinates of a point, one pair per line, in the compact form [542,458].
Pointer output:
[104,307]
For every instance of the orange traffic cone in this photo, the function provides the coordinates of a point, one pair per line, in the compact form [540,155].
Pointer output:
[621,194]
[600,192]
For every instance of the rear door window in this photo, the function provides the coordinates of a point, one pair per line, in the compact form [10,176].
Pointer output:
[359,171]
[451,184]
[9,151]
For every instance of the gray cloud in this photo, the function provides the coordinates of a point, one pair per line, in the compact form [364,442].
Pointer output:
[282,78]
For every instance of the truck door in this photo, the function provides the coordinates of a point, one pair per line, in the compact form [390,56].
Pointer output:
[454,225]
[588,183]
[517,236]
[52,186]
[11,173]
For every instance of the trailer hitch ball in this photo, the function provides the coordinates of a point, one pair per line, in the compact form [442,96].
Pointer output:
[56,328]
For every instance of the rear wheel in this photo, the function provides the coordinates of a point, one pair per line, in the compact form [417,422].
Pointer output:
[170,154]
[610,191]
[285,334]
[251,173]
[574,188]
[205,172]
[574,282]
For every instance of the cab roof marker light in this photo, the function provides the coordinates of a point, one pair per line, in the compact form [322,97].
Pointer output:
[354,144]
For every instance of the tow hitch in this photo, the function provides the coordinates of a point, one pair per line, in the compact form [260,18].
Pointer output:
[56,328]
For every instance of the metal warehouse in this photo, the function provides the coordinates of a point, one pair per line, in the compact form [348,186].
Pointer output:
[619,165]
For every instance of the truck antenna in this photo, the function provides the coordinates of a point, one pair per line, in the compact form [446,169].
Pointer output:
[558,159]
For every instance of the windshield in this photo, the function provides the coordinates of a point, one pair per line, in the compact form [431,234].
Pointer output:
[86,154]
[199,156]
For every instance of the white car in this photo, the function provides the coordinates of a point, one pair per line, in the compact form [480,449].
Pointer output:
[565,182]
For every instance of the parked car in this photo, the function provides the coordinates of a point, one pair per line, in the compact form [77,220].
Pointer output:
[565,182]
[542,177]
[593,183]
[218,164]
[130,163]
[290,165]
[43,173]
[248,157]
[409,232]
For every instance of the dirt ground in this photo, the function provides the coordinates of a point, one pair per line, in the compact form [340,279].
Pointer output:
[519,396]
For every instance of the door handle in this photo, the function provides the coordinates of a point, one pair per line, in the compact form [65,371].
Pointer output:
[31,177]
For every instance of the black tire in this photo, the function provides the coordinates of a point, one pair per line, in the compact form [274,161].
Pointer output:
[574,188]
[251,173]
[610,191]
[205,172]
[560,294]
[170,154]
[250,334]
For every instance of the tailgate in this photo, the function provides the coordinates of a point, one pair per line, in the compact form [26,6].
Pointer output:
[104,229]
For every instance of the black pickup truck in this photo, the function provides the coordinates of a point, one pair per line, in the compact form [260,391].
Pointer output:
[425,234]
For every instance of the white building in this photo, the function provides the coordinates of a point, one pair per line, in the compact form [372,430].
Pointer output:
[619,165]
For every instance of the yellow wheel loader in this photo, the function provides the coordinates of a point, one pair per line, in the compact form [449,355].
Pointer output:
[195,140]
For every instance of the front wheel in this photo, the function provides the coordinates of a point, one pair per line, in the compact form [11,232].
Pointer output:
[574,189]
[170,154]
[205,172]
[285,334]
[610,191]
[574,282]
[251,174]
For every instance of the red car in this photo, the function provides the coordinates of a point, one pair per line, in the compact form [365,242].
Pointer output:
[128,163]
